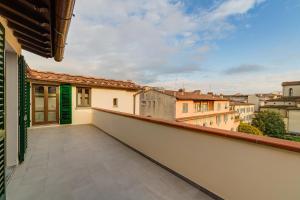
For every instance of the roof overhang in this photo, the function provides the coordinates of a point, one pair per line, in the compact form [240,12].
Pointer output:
[41,26]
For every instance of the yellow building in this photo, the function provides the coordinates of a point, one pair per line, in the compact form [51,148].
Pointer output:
[189,107]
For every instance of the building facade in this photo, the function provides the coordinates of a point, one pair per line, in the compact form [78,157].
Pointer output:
[288,106]
[24,25]
[188,107]
[245,111]
[65,99]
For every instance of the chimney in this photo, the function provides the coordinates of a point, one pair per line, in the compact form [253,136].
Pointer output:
[197,91]
[181,90]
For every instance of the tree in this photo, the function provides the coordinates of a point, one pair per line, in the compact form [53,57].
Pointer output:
[270,123]
[247,128]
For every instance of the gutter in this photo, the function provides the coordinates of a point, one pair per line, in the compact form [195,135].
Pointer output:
[64,12]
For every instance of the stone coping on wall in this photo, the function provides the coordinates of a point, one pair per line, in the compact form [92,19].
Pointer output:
[263,140]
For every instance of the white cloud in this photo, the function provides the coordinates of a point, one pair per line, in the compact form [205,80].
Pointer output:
[142,40]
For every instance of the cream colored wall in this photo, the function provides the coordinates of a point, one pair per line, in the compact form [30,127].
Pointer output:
[296,90]
[191,109]
[12,115]
[231,168]
[10,38]
[103,98]
[79,115]
[294,121]
[281,103]
[211,122]
[245,116]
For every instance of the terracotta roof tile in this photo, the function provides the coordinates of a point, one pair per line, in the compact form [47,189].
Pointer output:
[80,80]
[193,96]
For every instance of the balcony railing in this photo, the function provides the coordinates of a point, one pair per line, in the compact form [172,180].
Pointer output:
[228,164]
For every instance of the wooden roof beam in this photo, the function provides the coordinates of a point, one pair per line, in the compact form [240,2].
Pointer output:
[34,45]
[32,39]
[35,51]
[29,32]
[27,10]
[24,21]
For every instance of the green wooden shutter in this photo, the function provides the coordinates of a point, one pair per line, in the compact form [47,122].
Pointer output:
[22,109]
[2,112]
[28,102]
[65,104]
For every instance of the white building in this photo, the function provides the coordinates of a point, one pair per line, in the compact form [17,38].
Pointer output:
[288,106]
[65,99]
[245,111]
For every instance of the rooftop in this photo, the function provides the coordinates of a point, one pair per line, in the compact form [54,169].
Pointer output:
[36,75]
[82,162]
[196,95]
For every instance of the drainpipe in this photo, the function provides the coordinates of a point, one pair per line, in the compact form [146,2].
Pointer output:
[64,12]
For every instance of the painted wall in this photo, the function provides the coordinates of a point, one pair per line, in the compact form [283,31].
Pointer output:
[233,169]
[281,103]
[102,98]
[10,38]
[296,90]
[230,124]
[12,115]
[224,107]
[79,115]
[157,105]
[294,121]
[257,101]
[246,112]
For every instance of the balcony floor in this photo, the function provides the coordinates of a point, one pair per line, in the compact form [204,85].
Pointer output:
[81,162]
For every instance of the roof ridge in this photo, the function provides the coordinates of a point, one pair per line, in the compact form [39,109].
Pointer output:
[81,76]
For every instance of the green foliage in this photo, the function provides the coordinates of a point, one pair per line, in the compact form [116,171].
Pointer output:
[270,123]
[247,128]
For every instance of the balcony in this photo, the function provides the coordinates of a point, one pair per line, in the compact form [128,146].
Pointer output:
[122,156]
[82,162]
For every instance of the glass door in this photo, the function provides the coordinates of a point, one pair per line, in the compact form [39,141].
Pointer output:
[45,104]
[52,104]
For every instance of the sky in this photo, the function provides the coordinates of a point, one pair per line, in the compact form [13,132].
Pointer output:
[223,46]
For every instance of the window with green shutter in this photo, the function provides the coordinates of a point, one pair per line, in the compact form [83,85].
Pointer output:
[65,104]
[2,117]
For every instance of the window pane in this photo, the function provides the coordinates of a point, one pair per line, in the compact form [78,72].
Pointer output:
[39,103]
[51,116]
[39,116]
[52,103]
[79,97]
[51,91]
[39,90]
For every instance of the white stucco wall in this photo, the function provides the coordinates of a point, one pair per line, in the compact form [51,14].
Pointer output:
[79,115]
[281,103]
[296,90]
[103,98]
[12,121]
[231,168]
[294,121]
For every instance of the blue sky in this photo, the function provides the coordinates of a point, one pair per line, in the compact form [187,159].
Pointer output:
[224,46]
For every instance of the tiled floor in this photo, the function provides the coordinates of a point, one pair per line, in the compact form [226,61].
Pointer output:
[81,162]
